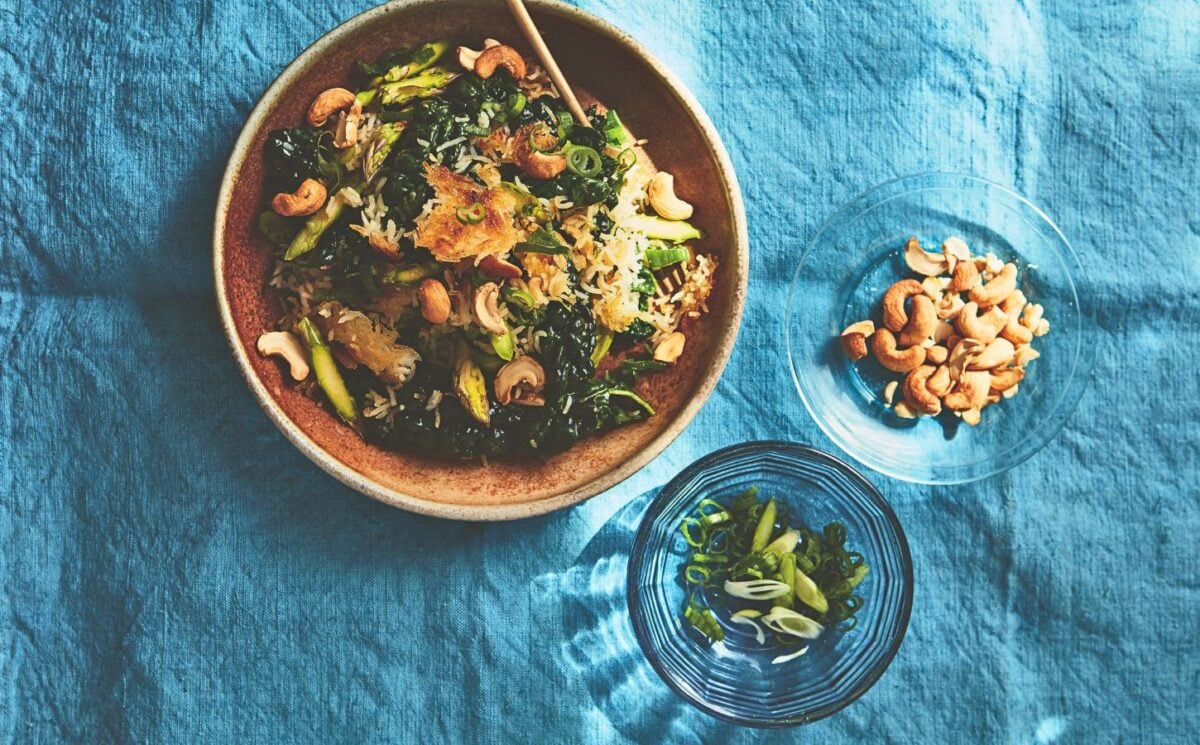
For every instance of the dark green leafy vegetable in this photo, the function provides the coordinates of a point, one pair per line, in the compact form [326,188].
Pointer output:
[543,241]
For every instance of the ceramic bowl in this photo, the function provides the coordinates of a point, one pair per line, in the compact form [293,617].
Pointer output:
[604,64]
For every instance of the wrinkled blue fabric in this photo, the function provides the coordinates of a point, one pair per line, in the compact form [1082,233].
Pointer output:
[172,570]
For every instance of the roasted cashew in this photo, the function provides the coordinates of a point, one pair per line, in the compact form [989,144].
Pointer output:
[939,383]
[999,351]
[937,354]
[894,315]
[308,197]
[949,306]
[1024,355]
[1006,378]
[521,381]
[961,355]
[889,391]
[970,393]
[661,193]
[854,339]
[500,55]
[903,410]
[917,394]
[494,266]
[922,322]
[997,288]
[921,261]
[883,345]
[468,56]
[971,416]
[943,331]
[487,308]
[537,164]
[1032,316]
[286,345]
[966,277]
[329,103]
[981,328]
[954,249]
[1014,330]
[434,301]
[671,346]
[346,133]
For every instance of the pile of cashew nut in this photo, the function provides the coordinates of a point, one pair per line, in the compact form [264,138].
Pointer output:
[962,335]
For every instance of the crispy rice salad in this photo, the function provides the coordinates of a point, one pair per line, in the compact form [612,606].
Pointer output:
[464,269]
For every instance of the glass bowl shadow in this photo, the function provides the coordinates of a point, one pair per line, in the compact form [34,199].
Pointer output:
[735,680]
[841,278]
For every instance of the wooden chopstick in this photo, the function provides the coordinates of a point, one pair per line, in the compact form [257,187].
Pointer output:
[534,37]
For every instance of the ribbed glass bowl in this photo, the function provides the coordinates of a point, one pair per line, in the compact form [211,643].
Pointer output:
[841,279]
[735,680]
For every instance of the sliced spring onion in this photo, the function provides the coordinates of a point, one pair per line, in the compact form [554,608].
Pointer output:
[784,544]
[693,531]
[766,524]
[625,393]
[604,341]
[789,657]
[471,214]
[756,589]
[860,573]
[538,131]
[583,161]
[515,103]
[626,160]
[787,621]
[565,123]
[696,574]
[657,258]
[745,618]
[787,575]
[703,620]
[614,131]
[808,592]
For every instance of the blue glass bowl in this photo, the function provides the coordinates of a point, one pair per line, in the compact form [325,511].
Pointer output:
[735,680]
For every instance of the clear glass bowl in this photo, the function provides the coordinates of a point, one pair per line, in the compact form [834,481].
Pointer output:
[841,278]
[735,680]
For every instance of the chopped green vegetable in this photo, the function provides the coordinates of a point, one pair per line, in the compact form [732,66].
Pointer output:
[673,231]
[583,160]
[704,621]
[604,340]
[614,131]
[411,275]
[306,239]
[471,214]
[543,241]
[766,526]
[657,258]
[328,375]
[504,345]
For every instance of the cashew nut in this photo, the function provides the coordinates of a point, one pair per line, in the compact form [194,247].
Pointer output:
[1014,331]
[937,354]
[903,410]
[982,328]
[1006,378]
[954,249]
[661,193]
[487,308]
[308,197]
[943,331]
[467,56]
[521,381]
[386,248]
[533,162]
[1025,354]
[434,301]
[883,345]
[949,306]
[500,55]
[854,339]
[921,261]
[961,355]
[285,344]
[917,394]
[894,315]
[939,383]
[934,287]
[1009,393]
[971,416]
[921,323]
[970,393]
[889,391]
[1032,316]
[1043,328]
[494,266]
[966,277]
[671,346]
[997,288]
[998,352]
[329,103]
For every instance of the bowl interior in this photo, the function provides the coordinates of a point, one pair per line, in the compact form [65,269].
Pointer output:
[858,254]
[605,66]
[735,679]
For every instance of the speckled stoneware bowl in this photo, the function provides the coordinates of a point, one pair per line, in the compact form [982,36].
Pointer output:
[604,65]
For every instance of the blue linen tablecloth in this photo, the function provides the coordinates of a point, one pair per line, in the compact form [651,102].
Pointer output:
[173,571]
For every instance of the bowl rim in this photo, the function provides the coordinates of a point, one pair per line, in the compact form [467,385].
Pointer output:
[603,481]
[655,510]
[1072,393]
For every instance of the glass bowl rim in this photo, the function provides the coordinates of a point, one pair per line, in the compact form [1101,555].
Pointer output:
[1078,284]
[655,510]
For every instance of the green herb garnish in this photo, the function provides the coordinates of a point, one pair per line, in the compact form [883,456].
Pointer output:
[749,562]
